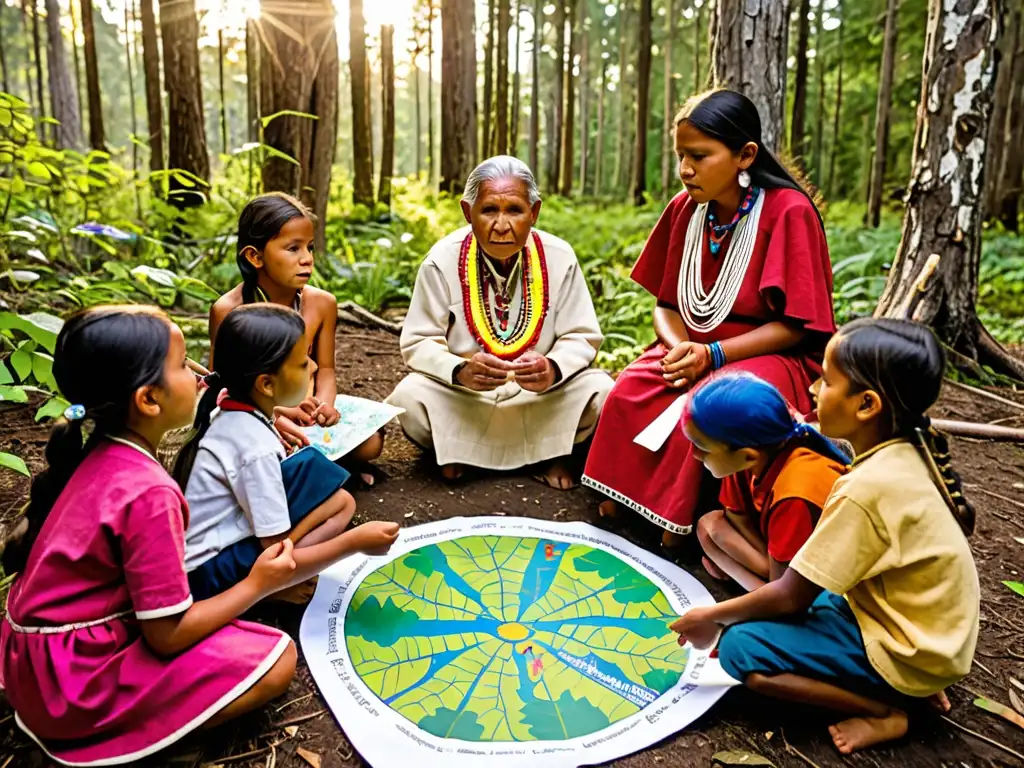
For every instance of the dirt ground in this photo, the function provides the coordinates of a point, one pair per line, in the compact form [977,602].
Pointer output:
[369,365]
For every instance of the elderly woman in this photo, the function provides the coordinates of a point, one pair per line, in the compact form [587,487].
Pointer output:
[500,336]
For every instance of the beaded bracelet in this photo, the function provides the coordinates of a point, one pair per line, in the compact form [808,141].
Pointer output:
[717,355]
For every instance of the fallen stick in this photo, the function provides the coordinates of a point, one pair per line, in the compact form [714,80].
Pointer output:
[985,393]
[367,317]
[299,719]
[979,430]
[986,739]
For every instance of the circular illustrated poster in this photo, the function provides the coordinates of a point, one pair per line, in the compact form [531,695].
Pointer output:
[505,641]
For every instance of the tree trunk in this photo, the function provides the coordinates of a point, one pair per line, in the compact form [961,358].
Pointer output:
[78,64]
[514,120]
[1012,169]
[837,114]
[362,138]
[186,124]
[417,73]
[97,139]
[796,126]
[28,55]
[431,153]
[299,72]
[620,118]
[486,138]
[943,212]
[668,152]
[819,107]
[387,98]
[538,25]
[584,95]
[129,36]
[154,101]
[501,131]
[68,133]
[883,110]
[749,56]
[599,143]
[998,127]
[568,124]
[252,79]
[458,97]
[220,88]
[4,77]
[697,44]
[37,47]
[643,85]
[555,139]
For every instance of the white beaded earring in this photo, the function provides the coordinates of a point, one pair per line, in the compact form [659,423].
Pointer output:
[744,179]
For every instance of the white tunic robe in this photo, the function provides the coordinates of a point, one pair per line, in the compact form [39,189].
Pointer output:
[509,427]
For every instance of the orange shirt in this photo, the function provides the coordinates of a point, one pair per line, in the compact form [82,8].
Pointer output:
[786,501]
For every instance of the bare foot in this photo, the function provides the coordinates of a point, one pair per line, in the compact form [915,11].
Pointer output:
[299,594]
[452,472]
[671,540]
[940,702]
[557,476]
[367,478]
[860,732]
[713,570]
[608,508]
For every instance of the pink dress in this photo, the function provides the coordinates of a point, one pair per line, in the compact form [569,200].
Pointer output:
[82,680]
[789,278]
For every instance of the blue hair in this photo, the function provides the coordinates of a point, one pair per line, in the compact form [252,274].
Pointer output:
[743,411]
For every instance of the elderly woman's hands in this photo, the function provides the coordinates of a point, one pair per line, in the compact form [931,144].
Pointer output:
[483,373]
[534,372]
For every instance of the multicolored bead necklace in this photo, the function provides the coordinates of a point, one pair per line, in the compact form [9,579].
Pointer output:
[478,285]
[717,232]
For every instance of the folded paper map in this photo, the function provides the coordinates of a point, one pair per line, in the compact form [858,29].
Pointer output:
[360,418]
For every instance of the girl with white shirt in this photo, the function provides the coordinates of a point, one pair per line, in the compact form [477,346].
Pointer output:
[244,493]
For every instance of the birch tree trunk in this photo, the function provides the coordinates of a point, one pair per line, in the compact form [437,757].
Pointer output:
[154,100]
[749,55]
[187,149]
[458,93]
[883,110]
[643,85]
[362,138]
[97,139]
[943,212]
[797,124]
[387,84]
[68,133]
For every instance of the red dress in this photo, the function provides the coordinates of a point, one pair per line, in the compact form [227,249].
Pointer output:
[789,277]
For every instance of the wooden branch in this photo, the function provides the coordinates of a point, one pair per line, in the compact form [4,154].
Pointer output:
[980,431]
[985,393]
[349,310]
[986,739]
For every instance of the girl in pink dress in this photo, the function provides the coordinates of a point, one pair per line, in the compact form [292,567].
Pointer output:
[740,269]
[105,657]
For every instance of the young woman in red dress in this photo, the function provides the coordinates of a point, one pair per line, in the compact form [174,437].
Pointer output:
[740,268]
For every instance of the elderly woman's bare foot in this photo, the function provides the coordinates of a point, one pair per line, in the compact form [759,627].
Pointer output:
[557,476]
[861,732]
[608,508]
[299,594]
[452,472]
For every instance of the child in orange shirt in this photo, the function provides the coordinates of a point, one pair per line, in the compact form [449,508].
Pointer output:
[777,474]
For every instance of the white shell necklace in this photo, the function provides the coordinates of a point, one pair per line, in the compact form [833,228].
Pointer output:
[704,311]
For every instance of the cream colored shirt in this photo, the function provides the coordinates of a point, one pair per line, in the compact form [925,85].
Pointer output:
[888,542]
[436,336]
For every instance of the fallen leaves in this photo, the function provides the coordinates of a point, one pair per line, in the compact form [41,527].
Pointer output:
[740,757]
[310,757]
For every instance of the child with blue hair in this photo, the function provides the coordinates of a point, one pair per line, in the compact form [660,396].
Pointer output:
[777,472]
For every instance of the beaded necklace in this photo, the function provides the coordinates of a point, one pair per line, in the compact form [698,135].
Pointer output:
[479,285]
[718,232]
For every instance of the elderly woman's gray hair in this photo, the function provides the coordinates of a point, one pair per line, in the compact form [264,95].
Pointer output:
[500,167]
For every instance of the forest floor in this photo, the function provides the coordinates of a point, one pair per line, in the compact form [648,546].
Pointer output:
[369,365]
